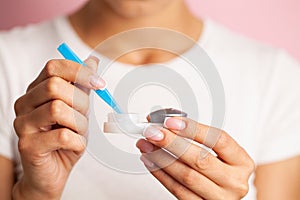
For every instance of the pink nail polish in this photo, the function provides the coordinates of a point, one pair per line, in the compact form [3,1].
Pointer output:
[153,133]
[174,123]
[147,147]
[147,162]
[97,82]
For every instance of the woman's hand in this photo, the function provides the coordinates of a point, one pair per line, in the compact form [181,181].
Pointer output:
[190,172]
[51,123]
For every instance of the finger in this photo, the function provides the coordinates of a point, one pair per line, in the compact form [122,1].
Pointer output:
[92,63]
[222,143]
[51,89]
[185,175]
[71,72]
[190,154]
[176,188]
[54,112]
[46,142]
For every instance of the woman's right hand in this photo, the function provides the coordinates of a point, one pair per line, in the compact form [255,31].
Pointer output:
[51,123]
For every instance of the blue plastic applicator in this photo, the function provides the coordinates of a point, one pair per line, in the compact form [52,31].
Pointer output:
[104,94]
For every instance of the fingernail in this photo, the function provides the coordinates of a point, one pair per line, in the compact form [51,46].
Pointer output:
[97,60]
[174,123]
[97,82]
[147,162]
[153,133]
[147,147]
[92,61]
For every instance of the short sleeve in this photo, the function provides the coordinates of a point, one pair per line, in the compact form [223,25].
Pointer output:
[280,111]
[7,136]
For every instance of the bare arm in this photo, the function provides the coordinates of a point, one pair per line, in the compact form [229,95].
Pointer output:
[280,180]
[6,178]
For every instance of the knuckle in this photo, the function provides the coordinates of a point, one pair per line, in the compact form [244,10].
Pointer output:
[56,108]
[18,126]
[50,67]
[53,87]
[224,139]
[18,105]
[188,178]
[239,186]
[251,166]
[202,163]
[242,189]
[63,136]
[23,145]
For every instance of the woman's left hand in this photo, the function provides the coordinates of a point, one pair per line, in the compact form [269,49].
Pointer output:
[189,171]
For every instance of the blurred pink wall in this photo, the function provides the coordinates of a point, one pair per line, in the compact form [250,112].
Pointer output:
[276,22]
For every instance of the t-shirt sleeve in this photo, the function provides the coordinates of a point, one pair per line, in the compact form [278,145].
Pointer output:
[7,136]
[280,111]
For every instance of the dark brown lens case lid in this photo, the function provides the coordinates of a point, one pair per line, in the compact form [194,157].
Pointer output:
[159,116]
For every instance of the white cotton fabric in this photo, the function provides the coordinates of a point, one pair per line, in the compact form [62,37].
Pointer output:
[262,102]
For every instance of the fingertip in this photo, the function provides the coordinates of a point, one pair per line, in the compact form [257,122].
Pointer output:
[95,58]
[145,146]
[97,82]
[140,142]
[153,133]
[174,123]
[92,63]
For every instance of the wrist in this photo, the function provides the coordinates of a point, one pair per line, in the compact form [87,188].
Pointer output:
[23,191]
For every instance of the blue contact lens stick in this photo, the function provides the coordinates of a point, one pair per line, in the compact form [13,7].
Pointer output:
[104,94]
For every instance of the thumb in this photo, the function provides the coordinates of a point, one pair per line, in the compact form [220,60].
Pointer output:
[92,63]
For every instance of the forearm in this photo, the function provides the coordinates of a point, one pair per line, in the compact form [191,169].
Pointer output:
[21,191]
[280,180]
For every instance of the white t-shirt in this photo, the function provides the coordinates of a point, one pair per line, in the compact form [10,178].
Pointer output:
[261,87]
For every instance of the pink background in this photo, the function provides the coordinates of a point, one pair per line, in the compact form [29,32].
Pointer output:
[276,22]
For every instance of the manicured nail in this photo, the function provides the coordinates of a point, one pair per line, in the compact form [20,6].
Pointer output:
[97,60]
[153,133]
[92,62]
[174,123]
[147,162]
[97,82]
[146,147]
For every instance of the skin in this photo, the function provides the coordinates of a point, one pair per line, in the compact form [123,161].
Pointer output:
[51,127]
[7,177]
[193,176]
[101,19]
[51,141]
